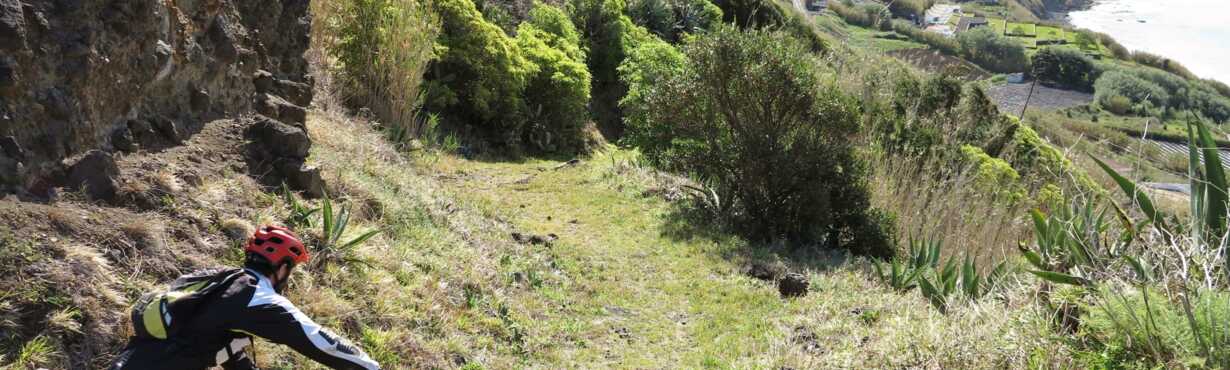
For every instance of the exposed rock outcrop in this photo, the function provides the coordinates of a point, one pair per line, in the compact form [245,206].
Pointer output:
[79,75]
[278,151]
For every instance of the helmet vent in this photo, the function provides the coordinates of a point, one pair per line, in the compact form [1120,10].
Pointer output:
[276,240]
[259,241]
[269,250]
[295,251]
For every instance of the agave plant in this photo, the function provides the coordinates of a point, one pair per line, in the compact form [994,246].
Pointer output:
[300,214]
[923,260]
[1072,243]
[1073,246]
[333,226]
[966,280]
[902,275]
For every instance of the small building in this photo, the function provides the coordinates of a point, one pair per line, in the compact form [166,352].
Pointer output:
[969,23]
[941,14]
[816,5]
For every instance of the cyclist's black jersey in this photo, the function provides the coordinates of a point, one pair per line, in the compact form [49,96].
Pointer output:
[222,329]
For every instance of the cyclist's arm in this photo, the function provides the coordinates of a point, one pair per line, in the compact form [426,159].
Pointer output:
[274,318]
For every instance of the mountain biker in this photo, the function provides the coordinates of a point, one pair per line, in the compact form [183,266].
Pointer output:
[230,306]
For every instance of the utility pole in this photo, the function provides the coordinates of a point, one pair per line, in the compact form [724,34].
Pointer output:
[1031,94]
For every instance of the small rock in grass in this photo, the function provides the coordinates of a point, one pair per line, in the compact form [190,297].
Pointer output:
[237,229]
[97,174]
[793,285]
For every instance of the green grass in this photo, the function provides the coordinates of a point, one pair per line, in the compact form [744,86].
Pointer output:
[999,25]
[872,40]
[1021,29]
[688,304]
[1050,33]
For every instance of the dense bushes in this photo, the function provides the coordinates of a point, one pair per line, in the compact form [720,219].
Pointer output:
[527,92]
[610,36]
[1143,94]
[558,93]
[746,114]
[993,175]
[991,51]
[909,9]
[771,14]
[1065,67]
[480,74]
[1162,63]
[867,15]
[670,19]
[1167,93]
[933,115]
[937,41]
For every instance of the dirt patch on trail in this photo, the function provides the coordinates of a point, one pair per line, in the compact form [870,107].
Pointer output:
[1011,97]
[936,62]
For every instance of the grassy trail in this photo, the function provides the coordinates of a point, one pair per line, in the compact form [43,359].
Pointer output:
[633,289]
[634,296]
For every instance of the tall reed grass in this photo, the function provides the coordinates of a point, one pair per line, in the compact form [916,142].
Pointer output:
[375,53]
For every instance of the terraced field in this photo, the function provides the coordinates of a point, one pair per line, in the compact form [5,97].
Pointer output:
[1175,148]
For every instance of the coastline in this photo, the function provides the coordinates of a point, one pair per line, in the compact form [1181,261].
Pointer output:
[1183,31]
[1059,12]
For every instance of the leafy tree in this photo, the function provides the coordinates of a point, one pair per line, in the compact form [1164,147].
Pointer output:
[1065,67]
[746,113]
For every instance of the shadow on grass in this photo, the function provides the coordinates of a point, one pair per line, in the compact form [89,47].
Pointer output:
[688,222]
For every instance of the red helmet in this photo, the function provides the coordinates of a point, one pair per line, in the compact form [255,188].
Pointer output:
[277,244]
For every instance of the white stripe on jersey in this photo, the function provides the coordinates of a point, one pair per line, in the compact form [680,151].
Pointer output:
[265,295]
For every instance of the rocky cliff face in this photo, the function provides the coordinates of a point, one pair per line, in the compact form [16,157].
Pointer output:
[128,75]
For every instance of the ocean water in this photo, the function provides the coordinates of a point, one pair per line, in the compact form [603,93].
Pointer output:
[1193,32]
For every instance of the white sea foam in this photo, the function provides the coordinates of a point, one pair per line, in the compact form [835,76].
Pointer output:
[1193,32]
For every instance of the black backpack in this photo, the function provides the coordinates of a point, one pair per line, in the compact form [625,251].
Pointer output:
[160,315]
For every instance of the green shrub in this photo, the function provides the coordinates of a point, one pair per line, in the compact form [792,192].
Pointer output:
[558,94]
[610,36]
[1157,329]
[991,51]
[993,175]
[1218,86]
[644,67]
[771,14]
[1065,67]
[1135,89]
[1035,159]
[1212,106]
[1117,104]
[746,114]
[866,15]
[1162,63]
[671,19]
[480,75]
[655,15]
[935,40]
[909,9]
[979,117]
